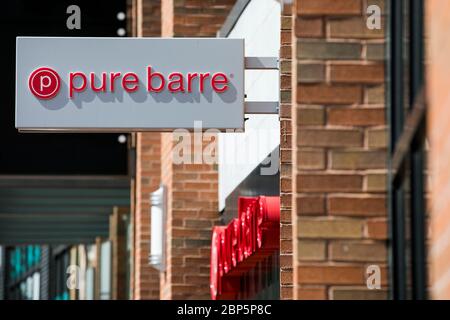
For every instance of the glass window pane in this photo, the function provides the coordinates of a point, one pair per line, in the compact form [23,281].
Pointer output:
[105,271]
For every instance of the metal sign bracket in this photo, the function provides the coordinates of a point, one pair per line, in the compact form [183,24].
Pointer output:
[261,107]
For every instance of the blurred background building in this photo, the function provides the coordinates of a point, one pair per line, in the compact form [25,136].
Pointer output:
[59,193]
[360,142]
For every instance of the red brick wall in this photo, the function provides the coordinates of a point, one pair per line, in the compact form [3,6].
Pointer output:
[192,188]
[438,70]
[151,18]
[192,212]
[148,171]
[286,290]
[339,141]
[194,18]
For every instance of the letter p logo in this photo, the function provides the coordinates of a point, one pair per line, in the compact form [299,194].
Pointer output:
[44,83]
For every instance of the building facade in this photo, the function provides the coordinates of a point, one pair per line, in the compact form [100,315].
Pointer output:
[340,195]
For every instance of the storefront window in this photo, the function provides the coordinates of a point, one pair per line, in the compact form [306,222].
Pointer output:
[23,272]
[61,265]
[105,270]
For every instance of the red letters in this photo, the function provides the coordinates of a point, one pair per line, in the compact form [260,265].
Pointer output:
[156,82]
[132,79]
[255,233]
[191,77]
[72,77]
[150,77]
[114,75]
[102,82]
[219,78]
[176,82]
[203,76]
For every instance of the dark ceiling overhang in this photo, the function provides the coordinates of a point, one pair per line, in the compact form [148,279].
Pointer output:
[59,210]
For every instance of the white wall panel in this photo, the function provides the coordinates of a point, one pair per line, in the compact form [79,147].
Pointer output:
[240,153]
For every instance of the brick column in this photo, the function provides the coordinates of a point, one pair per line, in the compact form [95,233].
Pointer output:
[339,139]
[148,171]
[192,188]
[286,153]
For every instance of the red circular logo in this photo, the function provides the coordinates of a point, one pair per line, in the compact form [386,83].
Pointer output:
[44,83]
